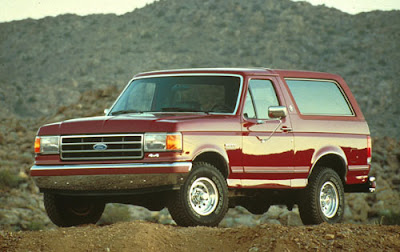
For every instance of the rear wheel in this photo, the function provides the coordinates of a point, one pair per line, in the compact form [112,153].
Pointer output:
[202,200]
[72,211]
[323,199]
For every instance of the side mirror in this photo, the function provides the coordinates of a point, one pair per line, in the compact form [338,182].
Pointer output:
[277,112]
[106,111]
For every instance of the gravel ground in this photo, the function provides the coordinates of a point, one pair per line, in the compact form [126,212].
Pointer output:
[144,236]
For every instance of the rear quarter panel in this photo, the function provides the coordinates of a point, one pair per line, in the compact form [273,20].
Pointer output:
[317,136]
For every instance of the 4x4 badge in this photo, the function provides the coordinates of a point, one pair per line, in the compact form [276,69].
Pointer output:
[100,147]
[230,146]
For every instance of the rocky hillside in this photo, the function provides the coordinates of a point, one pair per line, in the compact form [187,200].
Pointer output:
[47,63]
[68,66]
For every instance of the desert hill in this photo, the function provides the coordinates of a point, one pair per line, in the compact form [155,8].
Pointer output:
[47,63]
[70,66]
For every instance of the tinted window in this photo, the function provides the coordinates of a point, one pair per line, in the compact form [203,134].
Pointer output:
[248,109]
[141,97]
[319,97]
[217,94]
[263,96]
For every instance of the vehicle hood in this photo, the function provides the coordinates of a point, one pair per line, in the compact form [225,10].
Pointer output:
[138,123]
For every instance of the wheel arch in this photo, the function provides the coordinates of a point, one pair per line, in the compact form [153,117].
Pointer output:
[216,159]
[334,160]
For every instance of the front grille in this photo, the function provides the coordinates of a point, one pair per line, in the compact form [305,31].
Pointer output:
[102,147]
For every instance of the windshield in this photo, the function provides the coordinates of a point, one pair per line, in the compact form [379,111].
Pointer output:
[209,94]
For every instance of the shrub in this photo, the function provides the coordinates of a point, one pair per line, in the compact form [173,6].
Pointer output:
[390,218]
[9,179]
[35,226]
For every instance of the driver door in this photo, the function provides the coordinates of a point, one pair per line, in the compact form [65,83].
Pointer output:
[268,148]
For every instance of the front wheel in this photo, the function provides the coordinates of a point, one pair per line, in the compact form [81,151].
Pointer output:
[203,198]
[72,211]
[323,199]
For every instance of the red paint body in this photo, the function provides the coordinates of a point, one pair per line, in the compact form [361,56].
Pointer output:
[285,160]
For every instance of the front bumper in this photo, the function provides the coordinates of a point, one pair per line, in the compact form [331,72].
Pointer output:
[105,177]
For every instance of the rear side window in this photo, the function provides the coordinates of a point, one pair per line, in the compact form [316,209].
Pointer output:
[315,97]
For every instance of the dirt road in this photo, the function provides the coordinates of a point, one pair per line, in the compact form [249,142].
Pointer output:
[143,236]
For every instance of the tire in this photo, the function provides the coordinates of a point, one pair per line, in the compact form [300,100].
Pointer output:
[202,200]
[323,198]
[72,211]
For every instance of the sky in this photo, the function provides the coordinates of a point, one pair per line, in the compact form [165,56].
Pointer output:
[11,10]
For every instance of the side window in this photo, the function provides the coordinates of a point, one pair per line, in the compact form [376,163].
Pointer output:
[248,110]
[264,96]
[319,98]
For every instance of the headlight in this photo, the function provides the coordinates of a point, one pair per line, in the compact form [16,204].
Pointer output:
[47,144]
[162,142]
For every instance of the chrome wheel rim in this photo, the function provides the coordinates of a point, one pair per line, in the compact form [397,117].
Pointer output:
[203,196]
[329,199]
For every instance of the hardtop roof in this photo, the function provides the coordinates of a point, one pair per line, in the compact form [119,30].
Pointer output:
[246,72]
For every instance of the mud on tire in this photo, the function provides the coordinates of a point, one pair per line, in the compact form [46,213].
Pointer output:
[202,200]
[323,199]
[72,211]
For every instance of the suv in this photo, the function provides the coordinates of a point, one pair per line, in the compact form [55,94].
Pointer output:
[199,141]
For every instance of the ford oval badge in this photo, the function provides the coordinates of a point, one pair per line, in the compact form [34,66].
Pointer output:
[100,147]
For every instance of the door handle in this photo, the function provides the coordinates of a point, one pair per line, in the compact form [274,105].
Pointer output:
[286,129]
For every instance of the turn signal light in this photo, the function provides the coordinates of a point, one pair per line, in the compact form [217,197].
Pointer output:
[174,142]
[37,145]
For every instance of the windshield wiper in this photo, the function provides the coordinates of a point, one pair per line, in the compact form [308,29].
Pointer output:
[128,111]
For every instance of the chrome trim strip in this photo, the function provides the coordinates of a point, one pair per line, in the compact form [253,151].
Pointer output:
[260,169]
[216,69]
[301,169]
[113,166]
[260,182]
[275,169]
[100,135]
[103,158]
[358,167]
[188,74]
[237,169]
[107,150]
[234,182]
[109,183]
[93,143]
[99,158]
[297,183]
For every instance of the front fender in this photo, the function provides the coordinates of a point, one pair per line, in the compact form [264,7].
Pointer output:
[211,148]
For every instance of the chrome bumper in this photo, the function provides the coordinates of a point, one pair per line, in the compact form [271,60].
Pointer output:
[104,177]
[369,186]
[372,184]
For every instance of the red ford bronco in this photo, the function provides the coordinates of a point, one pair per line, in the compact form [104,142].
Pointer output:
[199,141]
